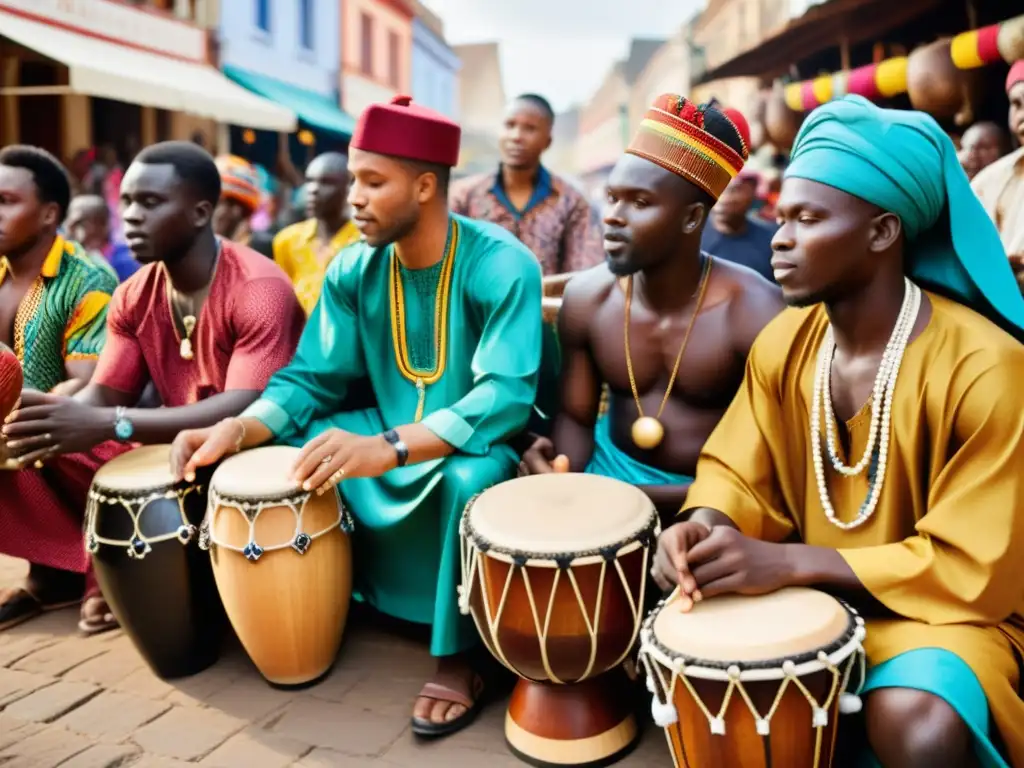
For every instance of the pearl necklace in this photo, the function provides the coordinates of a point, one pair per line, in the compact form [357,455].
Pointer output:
[881,412]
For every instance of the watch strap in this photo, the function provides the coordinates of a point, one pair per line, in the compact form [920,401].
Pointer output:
[393,439]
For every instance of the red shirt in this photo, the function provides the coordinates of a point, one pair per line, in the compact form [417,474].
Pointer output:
[247,329]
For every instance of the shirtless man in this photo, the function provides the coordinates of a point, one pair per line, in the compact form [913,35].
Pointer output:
[658,280]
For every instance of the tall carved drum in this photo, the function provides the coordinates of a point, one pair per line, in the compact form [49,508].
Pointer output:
[141,528]
[283,564]
[753,682]
[554,573]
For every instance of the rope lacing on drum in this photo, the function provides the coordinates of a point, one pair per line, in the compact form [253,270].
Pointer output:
[470,557]
[251,510]
[663,691]
[139,545]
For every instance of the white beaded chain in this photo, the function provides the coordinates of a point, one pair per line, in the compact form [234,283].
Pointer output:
[881,412]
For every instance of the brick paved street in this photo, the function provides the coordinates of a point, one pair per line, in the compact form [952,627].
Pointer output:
[92,703]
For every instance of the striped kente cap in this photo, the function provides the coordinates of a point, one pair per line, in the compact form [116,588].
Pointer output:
[672,135]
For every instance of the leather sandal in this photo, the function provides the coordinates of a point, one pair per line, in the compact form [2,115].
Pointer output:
[437,691]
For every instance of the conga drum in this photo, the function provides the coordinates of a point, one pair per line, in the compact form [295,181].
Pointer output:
[753,682]
[140,529]
[283,564]
[554,573]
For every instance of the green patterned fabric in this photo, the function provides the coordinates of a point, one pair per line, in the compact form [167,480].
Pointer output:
[63,315]
[420,287]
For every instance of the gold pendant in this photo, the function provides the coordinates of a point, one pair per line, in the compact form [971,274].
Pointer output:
[189,321]
[648,432]
[421,397]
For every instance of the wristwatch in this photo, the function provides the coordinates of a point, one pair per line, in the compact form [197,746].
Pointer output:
[123,427]
[400,448]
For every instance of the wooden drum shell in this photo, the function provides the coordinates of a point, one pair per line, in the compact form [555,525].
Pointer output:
[516,640]
[790,743]
[288,609]
[166,602]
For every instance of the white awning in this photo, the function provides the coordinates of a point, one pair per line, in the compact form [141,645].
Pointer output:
[111,71]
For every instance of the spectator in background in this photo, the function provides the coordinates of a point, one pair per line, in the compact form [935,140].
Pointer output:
[732,234]
[239,198]
[305,250]
[982,144]
[1000,187]
[544,211]
[88,223]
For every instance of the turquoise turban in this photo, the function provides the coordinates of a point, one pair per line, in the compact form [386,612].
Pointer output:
[904,163]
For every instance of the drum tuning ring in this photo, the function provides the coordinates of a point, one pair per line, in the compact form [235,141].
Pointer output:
[186,533]
[301,543]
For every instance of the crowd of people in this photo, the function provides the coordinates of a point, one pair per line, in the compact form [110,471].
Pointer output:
[734,353]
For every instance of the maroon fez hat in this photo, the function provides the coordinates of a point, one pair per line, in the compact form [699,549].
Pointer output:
[406,130]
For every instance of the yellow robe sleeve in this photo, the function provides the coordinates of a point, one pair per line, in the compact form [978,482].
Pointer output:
[736,472]
[963,565]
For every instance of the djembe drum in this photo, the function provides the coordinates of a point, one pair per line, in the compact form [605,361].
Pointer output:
[554,573]
[283,564]
[141,529]
[753,682]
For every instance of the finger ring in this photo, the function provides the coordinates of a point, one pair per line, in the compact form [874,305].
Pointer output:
[326,459]
[38,464]
[48,437]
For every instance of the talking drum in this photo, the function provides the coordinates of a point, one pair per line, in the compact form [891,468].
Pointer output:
[140,528]
[554,572]
[753,682]
[283,564]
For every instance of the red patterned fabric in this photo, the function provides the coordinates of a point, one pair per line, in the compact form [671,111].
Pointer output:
[42,510]
[407,130]
[11,380]
[1016,74]
[247,329]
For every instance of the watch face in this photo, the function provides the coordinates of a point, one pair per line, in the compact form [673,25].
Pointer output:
[123,429]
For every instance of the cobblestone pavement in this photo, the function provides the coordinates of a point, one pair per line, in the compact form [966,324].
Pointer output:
[92,703]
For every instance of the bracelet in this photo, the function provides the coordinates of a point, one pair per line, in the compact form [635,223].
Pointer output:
[241,435]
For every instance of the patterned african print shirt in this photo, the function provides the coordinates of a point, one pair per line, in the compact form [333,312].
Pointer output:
[557,223]
[63,315]
[298,253]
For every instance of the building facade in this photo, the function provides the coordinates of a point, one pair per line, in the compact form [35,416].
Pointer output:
[435,66]
[76,74]
[482,104]
[376,51]
[291,41]
[668,71]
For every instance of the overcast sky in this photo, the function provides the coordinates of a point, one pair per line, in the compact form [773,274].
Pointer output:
[560,48]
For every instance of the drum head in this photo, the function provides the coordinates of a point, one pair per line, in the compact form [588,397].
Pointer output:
[560,514]
[137,470]
[261,473]
[787,624]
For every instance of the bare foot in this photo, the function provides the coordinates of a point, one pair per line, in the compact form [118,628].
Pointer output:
[96,616]
[449,695]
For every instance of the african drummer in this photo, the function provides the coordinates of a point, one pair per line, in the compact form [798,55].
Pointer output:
[438,315]
[905,493]
[666,326]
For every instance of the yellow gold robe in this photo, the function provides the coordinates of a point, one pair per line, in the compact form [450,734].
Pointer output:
[945,546]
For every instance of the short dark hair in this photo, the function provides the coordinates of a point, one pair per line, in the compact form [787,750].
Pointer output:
[540,103]
[192,164]
[53,185]
[442,172]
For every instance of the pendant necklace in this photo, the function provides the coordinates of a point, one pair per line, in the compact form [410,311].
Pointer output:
[648,431]
[186,316]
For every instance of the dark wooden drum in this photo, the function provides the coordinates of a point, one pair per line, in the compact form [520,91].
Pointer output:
[554,573]
[142,531]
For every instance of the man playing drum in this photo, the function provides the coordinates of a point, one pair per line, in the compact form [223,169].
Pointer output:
[206,321]
[53,308]
[915,514]
[440,317]
[658,299]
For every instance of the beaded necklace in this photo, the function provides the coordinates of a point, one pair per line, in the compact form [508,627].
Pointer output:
[876,451]
[422,378]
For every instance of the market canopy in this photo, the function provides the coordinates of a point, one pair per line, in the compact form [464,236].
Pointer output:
[110,71]
[314,109]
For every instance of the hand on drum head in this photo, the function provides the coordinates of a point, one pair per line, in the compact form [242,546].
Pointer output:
[335,455]
[540,459]
[194,448]
[672,561]
[727,562]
